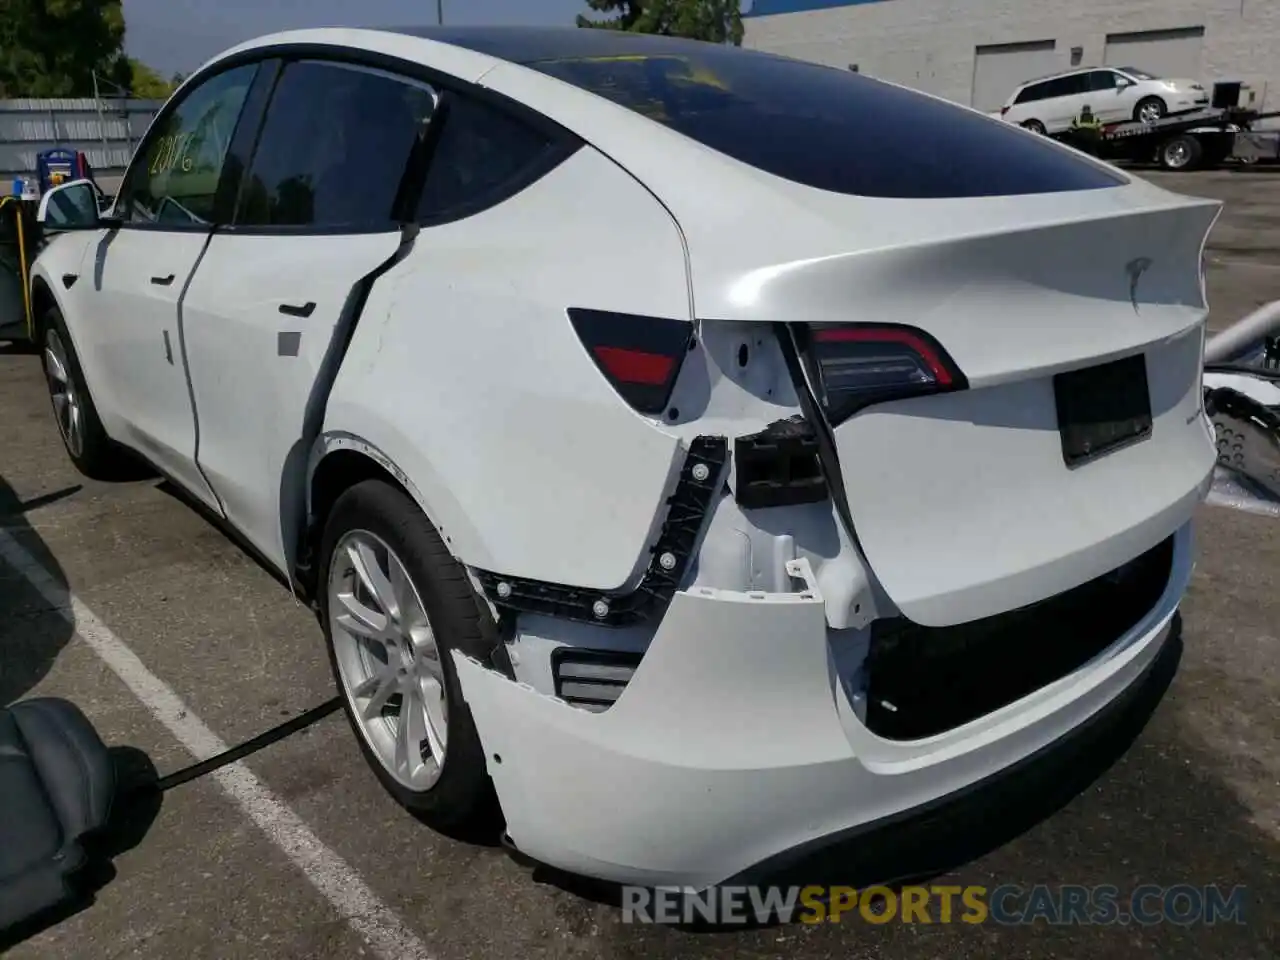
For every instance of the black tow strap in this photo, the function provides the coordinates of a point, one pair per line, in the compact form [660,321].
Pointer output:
[249,747]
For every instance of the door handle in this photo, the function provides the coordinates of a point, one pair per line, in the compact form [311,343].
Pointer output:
[162,281]
[294,310]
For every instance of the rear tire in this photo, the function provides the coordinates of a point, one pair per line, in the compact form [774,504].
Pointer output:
[1035,126]
[94,454]
[1149,110]
[443,779]
[1182,152]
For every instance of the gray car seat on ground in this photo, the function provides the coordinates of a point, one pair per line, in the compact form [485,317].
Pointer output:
[57,781]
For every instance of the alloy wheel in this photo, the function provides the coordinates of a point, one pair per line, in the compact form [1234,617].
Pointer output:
[388,660]
[67,408]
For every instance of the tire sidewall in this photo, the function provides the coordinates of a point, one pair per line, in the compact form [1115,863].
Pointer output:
[373,506]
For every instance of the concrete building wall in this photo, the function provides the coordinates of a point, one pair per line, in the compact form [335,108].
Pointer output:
[932,45]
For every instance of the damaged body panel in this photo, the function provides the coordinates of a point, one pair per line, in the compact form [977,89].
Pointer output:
[737,739]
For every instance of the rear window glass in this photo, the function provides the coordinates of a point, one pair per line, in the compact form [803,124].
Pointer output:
[828,128]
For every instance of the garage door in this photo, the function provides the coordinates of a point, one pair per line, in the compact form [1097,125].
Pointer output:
[999,68]
[1166,53]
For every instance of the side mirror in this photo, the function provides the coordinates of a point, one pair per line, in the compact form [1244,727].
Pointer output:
[70,206]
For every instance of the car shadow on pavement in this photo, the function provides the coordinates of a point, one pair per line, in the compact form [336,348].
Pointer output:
[33,632]
[936,841]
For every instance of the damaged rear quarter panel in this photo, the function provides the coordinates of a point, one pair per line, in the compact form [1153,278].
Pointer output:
[469,377]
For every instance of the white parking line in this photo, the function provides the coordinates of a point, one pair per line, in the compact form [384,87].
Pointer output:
[336,881]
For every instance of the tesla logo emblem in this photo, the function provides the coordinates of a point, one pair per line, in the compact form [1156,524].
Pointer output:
[1135,269]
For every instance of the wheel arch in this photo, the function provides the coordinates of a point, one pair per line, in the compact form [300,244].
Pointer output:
[42,299]
[338,463]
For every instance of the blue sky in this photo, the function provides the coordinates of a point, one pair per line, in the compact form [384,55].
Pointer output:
[179,35]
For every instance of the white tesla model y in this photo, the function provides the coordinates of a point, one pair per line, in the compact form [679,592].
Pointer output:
[701,452]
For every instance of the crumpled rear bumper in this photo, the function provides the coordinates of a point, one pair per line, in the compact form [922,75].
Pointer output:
[735,742]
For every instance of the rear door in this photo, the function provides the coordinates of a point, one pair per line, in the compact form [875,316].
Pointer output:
[1066,97]
[315,216]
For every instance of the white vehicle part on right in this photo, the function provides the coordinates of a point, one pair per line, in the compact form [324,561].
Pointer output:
[735,741]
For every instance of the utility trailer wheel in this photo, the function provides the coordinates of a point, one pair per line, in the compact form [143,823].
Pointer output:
[1182,152]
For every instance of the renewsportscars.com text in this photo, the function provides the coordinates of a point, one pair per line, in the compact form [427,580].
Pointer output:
[1008,904]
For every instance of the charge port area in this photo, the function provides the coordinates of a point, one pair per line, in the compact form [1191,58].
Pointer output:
[778,466]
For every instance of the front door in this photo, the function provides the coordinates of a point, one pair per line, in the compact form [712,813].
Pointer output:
[142,268]
[274,289]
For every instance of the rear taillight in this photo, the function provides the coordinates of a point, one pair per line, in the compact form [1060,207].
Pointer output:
[854,366]
[1003,111]
[639,356]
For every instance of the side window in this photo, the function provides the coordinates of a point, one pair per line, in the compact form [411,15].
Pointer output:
[1034,92]
[1102,80]
[1077,83]
[333,148]
[174,177]
[1031,93]
[484,155]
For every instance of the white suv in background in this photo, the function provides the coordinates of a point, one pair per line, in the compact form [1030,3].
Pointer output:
[1115,94]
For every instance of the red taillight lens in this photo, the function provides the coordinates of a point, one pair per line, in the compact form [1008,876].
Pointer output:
[856,366]
[1003,111]
[639,356]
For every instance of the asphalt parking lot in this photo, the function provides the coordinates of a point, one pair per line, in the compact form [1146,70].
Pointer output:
[308,858]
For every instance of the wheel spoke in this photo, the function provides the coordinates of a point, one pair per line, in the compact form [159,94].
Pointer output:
[55,367]
[359,619]
[73,421]
[379,688]
[410,732]
[365,564]
[433,703]
[409,612]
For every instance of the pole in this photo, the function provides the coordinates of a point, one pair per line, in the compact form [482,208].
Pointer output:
[102,121]
[440,12]
[1234,341]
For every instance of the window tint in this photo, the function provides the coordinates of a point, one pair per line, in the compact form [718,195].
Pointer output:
[333,148]
[831,128]
[175,176]
[1037,91]
[1066,86]
[484,155]
[1102,80]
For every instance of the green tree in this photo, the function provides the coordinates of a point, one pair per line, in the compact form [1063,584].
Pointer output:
[716,21]
[51,48]
[146,84]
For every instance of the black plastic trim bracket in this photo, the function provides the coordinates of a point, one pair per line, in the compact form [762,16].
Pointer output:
[700,481]
[779,466]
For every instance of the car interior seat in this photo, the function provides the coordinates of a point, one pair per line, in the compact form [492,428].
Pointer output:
[57,783]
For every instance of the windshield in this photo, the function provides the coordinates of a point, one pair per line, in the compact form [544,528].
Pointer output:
[1138,74]
[829,128]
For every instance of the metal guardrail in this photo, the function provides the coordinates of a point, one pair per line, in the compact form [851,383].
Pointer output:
[106,129]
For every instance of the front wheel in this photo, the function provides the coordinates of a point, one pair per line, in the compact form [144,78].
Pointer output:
[395,606]
[1149,110]
[94,453]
